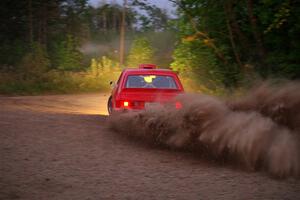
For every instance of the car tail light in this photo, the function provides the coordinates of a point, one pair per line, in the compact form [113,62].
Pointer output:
[126,104]
[178,105]
[123,104]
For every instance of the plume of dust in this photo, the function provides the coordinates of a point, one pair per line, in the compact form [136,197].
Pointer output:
[260,130]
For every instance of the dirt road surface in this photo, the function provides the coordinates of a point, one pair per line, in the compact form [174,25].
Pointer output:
[59,147]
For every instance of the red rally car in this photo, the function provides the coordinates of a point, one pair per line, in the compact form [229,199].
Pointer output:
[143,88]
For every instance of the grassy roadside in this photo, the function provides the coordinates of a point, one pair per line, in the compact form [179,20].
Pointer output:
[55,82]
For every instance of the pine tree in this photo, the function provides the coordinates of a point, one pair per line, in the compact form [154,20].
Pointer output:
[69,57]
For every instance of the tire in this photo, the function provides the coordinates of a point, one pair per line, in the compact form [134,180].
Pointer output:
[109,105]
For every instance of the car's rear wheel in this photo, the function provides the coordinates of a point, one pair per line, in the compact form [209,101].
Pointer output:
[109,105]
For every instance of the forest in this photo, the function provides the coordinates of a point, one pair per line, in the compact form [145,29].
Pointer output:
[63,46]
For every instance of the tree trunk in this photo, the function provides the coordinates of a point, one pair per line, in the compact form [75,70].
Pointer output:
[44,24]
[122,34]
[257,36]
[30,22]
[39,39]
[114,28]
[231,37]
[243,40]
[104,21]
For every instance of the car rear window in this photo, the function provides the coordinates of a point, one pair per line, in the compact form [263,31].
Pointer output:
[151,81]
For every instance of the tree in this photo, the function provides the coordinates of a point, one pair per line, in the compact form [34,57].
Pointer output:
[69,57]
[35,63]
[244,36]
[141,52]
[153,19]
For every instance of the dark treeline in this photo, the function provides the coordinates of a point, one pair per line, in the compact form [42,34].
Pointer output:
[232,41]
[59,27]
[69,45]
[220,44]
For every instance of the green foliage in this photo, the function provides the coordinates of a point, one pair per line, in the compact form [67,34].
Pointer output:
[103,65]
[34,64]
[31,76]
[280,17]
[221,44]
[141,52]
[95,78]
[41,44]
[228,42]
[196,61]
[281,37]
[99,74]
[158,20]
[69,57]
[11,54]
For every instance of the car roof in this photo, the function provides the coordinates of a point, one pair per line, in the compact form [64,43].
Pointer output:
[149,71]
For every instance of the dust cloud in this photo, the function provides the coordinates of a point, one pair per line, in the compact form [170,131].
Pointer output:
[260,131]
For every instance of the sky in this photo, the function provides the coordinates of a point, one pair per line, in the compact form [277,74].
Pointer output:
[164,4]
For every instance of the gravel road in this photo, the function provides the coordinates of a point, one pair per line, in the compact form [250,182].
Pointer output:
[59,147]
